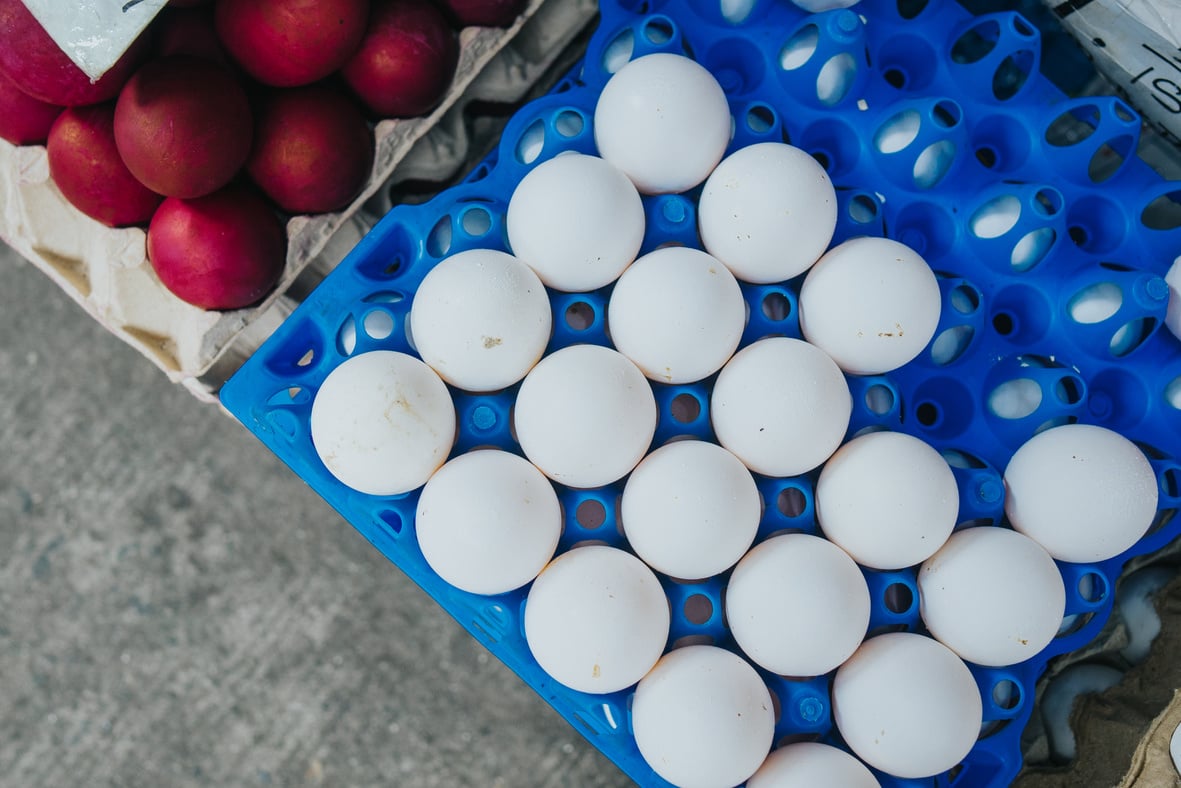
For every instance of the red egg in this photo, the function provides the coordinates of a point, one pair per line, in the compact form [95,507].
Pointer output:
[225,250]
[185,30]
[406,61]
[313,149]
[35,63]
[85,165]
[183,126]
[286,43]
[24,120]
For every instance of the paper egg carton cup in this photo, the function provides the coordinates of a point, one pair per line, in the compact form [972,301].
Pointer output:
[107,272]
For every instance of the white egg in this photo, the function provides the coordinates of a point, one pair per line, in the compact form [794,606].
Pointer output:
[768,211]
[871,303]
[811,764]
[781,405]
[382,422]
[888,499]
[690,509]
[703,718]
[596,619]
[797,605]
[585,416]
[488,521]
[1084,493]
[663,119]
[907,705]
[481,319]
[577,221]
[678,314]
[992,595]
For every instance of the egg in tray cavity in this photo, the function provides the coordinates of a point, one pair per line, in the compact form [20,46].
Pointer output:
[684,509]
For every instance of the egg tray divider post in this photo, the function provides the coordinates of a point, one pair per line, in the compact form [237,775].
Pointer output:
[1019,197]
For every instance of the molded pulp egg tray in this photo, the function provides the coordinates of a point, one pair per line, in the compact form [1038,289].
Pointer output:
[939,130]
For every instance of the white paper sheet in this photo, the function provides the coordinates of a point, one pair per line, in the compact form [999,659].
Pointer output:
[94,33]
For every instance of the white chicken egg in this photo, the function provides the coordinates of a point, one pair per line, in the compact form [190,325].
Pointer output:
[907,705]
[382,422]
[888,499]
[585,415]
[677,313]
[596,619]
[811,764]
[481,319]
[992,595]
[1083,492]
[768,211]
[577,221]
[663,119]
[488,521]
[703,718]
[797,605]
[871,303]
[690,509]
[781,405]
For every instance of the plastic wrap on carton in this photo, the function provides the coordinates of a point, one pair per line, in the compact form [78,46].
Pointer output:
[1163,16]
[1135,45]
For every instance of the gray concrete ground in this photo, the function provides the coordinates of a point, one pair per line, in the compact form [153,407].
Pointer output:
[178,609]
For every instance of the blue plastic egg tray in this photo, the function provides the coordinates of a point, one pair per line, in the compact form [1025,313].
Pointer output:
[939,130]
